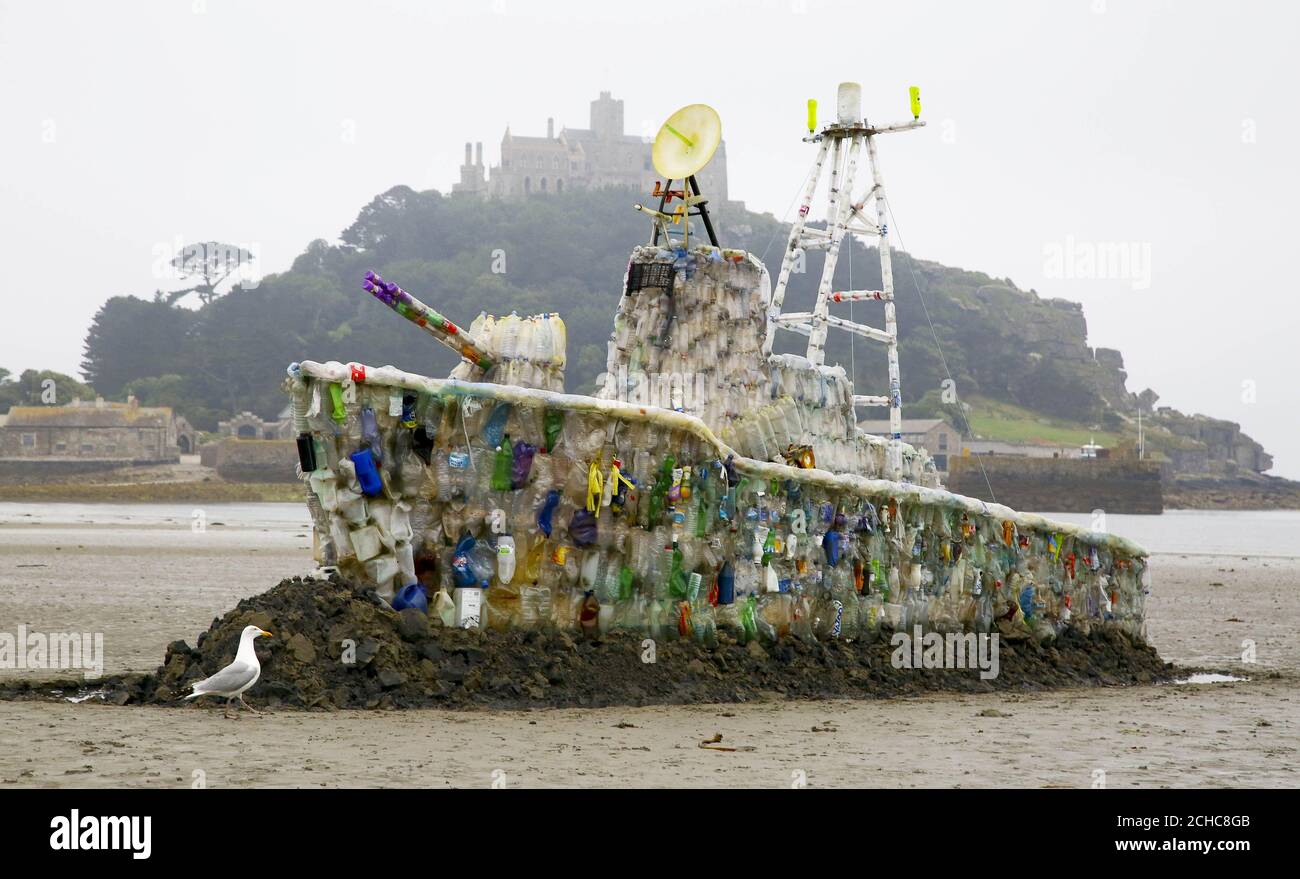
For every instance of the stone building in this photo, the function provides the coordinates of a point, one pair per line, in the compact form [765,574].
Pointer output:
[935,435]
[114,434]
[246,425]
[577,158]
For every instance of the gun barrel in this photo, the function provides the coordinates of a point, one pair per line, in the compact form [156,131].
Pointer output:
[428,319]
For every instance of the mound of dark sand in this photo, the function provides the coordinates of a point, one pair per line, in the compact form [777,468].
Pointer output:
[398,660]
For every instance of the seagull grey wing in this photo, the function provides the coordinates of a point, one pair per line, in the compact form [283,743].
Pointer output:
[231,678]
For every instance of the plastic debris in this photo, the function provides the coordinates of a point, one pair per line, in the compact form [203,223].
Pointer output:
[412,596]
[737,496]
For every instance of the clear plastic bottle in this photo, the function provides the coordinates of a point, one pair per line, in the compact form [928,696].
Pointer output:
[525,339]
[458,472]
[543,340]
[534,559]
[508,337]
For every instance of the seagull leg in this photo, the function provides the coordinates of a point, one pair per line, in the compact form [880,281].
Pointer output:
[249,707]
[226,712]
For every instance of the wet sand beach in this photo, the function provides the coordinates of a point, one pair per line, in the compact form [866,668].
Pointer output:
[144,578]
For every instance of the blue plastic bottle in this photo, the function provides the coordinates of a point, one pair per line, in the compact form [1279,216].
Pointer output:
[546,511]
[727,584]
[367,474]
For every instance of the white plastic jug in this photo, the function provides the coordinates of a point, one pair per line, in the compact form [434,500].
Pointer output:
[506,558]
[382,569]
[367,543]
[405,554]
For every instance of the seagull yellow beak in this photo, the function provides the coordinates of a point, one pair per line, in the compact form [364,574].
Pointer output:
[266,633]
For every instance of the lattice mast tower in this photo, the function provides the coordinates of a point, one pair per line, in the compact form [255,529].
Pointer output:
[839,147]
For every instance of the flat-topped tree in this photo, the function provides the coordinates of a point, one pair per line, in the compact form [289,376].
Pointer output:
[211,263]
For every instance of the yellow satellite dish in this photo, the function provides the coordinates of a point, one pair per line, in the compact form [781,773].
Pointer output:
[686,141]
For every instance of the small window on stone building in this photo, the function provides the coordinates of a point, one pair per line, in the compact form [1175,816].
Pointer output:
[60,447]
[940,462]
[943,442]
[29,441]
[88,447]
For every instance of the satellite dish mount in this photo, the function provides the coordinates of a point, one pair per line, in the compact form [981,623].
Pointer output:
[685,144]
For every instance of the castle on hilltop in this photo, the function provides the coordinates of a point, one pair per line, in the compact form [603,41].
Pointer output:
[577,158]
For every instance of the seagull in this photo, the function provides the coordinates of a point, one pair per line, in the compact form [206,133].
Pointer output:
[237,677]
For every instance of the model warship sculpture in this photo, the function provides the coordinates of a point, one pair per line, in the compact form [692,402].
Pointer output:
[710,484]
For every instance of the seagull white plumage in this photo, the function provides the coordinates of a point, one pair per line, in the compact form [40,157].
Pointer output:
[237,677]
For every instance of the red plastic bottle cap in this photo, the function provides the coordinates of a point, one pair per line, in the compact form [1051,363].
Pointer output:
[358,372]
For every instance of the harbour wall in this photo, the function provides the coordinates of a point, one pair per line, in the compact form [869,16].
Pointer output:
[1065,485]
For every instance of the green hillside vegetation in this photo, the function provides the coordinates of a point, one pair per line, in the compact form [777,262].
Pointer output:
[567,253]
[1000,420]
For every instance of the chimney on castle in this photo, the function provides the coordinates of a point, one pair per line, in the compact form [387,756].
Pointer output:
[478,154]
[467,154]
[550,128]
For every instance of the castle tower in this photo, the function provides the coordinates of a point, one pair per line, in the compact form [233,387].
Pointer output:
[473,177]
[607,117]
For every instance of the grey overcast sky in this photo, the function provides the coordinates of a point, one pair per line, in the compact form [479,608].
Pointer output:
[1168,128]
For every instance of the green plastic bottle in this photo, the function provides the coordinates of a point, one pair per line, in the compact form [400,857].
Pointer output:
[552,424]
[769,547]
[501,466]
[340,412]
[677,585]
[626,579]
[659,494]
[702,520]
[749,618]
